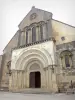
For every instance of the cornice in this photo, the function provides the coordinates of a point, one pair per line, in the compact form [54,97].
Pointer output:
[37,42]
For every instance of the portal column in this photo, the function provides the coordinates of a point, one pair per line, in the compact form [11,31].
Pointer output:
[10,82]
[24,77]
[42,79]
[50,79]
[21,80]
[13,80]
[27,79]
[17,79]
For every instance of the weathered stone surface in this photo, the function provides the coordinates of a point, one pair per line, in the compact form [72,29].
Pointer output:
[42,55]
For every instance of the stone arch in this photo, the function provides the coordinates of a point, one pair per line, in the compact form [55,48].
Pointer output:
[34,66]
[38,62]
[33,54]
[66,51]
[66,59]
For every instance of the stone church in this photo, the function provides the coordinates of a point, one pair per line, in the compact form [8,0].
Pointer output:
[40,55]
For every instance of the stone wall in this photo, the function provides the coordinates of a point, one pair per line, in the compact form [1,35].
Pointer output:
[65,75]
[0,60]
[0,67]
[7,52]
[62,32]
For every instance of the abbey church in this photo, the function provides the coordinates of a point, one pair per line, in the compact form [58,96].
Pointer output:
[41,55]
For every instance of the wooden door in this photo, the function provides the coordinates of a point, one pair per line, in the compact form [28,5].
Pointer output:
[32,80]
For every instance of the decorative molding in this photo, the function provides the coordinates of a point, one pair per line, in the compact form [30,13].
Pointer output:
[71,73]
[33,16]
[32,25]
[37,42]
[66,46]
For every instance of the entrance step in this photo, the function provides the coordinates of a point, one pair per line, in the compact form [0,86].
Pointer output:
[34,91]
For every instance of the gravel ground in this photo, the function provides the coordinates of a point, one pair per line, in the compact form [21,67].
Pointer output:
[21,96]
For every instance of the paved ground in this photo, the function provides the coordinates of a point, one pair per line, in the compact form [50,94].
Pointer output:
[20,96]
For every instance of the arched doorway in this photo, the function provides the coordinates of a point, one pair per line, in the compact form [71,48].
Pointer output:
[35,80]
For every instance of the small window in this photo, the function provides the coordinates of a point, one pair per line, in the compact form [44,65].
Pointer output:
[62,38]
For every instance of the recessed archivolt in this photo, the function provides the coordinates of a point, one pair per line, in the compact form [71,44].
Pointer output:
[31,55]
[34,66]
[25,62]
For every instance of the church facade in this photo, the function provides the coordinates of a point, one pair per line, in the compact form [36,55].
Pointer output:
[40,55]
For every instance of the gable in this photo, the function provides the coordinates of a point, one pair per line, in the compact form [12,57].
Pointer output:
[34,16]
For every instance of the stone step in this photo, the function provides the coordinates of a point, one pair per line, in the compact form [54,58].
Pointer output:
[70,91]
[34,91]
[4,89]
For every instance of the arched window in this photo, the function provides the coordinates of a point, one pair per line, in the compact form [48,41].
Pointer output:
[26,37]
[34,34]
[41,32]
[66,59]
[21,41]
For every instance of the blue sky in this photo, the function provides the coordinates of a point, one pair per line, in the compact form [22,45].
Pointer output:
[13,11]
